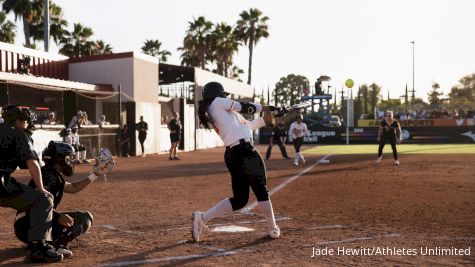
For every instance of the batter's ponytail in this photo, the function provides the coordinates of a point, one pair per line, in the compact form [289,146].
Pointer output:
[203,115]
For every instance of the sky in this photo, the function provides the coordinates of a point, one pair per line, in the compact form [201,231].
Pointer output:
[365,40]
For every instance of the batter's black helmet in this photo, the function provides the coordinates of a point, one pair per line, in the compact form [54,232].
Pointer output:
[212,90]
[62,153]
[12,113]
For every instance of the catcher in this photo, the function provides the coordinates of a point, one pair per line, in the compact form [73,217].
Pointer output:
[66,226]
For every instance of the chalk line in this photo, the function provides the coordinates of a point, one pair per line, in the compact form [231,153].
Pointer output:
[285,183]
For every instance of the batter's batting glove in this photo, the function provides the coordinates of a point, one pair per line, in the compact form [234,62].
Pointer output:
[279,111]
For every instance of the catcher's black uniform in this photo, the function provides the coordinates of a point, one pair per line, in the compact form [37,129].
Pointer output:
[54,183]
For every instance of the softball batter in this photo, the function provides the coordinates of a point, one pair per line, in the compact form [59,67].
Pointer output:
[242,160]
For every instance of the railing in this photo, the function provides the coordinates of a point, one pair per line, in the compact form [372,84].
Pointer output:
[16,59]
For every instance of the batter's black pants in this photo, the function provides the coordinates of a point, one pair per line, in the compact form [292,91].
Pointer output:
[247,170]
[61,235]
[22,197]
[298,143]
[283,151]
[382,142]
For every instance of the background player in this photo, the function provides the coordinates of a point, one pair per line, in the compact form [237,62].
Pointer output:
[67,226]
[298,129]
[278,137]
[242,160]
[389,131]
[175,134]
[79,148]
[142,127]
[16,151]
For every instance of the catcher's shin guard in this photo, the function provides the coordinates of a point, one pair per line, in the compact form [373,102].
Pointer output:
[82,223]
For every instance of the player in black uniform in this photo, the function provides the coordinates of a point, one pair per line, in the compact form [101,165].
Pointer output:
[142,127]
[278,137]
[175,135]
[16,150]
[67,226]
[389,131]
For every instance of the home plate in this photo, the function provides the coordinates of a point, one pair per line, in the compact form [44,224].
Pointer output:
[232,229]
[324,161]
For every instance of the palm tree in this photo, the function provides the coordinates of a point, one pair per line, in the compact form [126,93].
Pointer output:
[77,43]
[251,28]
[224,44]
[7,29]
[27,10]
[101,48]
[57,24]
[152,48]
[236,73]
[196,42]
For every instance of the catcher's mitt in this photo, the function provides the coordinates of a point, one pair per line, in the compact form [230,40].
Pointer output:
[103,162]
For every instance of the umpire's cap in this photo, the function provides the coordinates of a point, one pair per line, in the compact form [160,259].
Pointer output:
[213,89]
[12,113]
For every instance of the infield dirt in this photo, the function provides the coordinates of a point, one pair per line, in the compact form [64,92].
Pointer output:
[142,214]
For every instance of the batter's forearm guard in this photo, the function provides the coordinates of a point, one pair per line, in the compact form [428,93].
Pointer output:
[247,108]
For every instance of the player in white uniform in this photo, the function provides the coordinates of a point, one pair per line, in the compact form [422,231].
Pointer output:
[242,160]
[298,129]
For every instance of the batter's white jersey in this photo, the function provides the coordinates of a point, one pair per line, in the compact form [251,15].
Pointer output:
[229,124]
[298,130]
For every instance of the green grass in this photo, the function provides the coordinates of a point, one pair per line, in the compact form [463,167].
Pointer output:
[402,149]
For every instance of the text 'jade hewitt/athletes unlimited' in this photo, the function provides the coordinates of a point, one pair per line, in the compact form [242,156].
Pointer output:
[390,251]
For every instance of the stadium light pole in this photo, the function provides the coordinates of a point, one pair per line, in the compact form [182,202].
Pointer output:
[413,69]
[46,25]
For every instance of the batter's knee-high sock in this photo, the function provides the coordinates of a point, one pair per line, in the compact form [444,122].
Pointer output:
[380,150]
[393,146]
[77,155]
[83,154]
[223,207]
[268,211]
[301,157]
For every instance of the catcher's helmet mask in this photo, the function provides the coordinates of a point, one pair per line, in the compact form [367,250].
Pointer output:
[214,89]
[62,154]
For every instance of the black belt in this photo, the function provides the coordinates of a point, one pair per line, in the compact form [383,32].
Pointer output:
[241,142]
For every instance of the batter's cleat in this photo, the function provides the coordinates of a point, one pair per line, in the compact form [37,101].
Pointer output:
[41,252]
[379,160]
[63,249]
[84,161]
[296,163]
[170,158]
[274,233]
[176,158]
[396,162]
[303,160]
[198,225]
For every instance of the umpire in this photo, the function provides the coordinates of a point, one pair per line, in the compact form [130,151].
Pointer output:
[278,137]
[16,150]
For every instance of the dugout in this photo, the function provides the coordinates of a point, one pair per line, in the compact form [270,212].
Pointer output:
[45,95]
[181,88]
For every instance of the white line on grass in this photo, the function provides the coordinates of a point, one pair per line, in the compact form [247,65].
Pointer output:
[285,183]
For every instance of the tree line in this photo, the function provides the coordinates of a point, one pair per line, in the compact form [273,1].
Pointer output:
[210,46]
[367,97]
